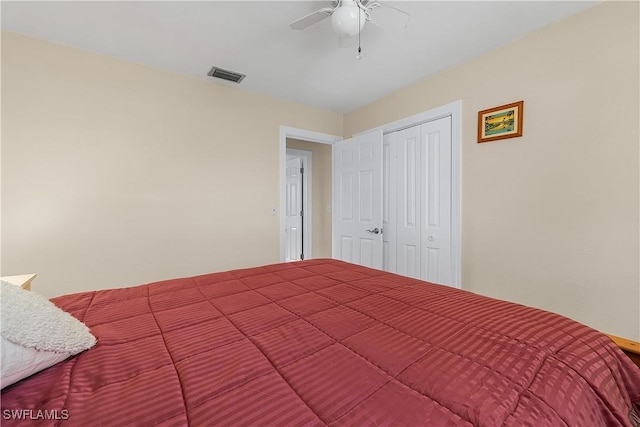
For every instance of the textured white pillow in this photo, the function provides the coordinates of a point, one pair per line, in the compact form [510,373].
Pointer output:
[36,334]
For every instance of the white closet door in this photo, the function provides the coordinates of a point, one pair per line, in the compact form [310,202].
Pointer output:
[358,180]
[389,211]
[406,147]
[435,236]
[417,202]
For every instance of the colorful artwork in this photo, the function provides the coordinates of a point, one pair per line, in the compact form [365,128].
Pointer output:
[500,122]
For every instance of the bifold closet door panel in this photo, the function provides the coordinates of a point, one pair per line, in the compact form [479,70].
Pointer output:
[389,204]
[408,203]
[435,235]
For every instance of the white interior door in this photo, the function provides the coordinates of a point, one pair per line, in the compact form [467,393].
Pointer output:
[293,210]
[358,199]
[435,236]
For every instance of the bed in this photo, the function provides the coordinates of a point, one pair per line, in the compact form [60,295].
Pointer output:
[324,342]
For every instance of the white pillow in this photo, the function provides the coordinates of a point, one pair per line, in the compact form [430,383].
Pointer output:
[36,334]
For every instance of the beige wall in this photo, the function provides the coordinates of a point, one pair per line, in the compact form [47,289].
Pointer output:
[549,219]
[116,174]
[321,195]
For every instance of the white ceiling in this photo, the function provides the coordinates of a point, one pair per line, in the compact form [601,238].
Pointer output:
[306,66]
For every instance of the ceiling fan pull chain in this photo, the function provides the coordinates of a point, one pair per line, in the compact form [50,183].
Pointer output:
[359,55]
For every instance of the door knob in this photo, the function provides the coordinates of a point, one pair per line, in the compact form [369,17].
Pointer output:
[374,231]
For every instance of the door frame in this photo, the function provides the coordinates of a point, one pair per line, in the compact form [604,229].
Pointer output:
[304,135]
[307,190]
[454,110]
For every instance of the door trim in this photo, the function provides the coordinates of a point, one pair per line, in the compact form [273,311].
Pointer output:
[454,110]
[307,200]
[304,135]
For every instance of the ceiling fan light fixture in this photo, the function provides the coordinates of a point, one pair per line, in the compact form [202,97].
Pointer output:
[348,19]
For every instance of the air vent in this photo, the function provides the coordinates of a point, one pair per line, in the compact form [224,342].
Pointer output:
[226,75]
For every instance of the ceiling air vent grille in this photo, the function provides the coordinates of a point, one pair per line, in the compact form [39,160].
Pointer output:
[226,75]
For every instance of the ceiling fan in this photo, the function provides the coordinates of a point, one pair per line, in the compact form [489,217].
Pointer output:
[347,16]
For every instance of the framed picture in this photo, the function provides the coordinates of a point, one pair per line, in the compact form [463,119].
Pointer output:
[500,122]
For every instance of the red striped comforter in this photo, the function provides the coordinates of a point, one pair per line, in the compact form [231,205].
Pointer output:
[323,342]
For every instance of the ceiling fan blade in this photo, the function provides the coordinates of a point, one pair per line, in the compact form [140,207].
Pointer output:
[373,29]
[310,19]
[408,17]
[376,5]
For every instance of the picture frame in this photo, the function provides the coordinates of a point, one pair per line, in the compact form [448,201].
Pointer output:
[500,122]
